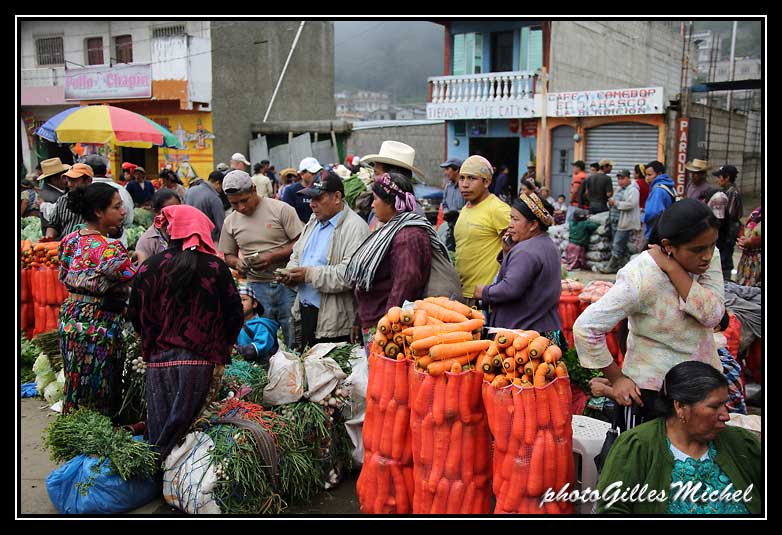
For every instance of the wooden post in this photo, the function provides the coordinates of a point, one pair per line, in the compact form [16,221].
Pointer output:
[544,96]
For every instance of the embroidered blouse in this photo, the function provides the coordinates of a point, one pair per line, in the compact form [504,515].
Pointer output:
[92,265]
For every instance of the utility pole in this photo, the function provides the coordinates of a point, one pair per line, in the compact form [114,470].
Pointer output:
[732,60]
[709,100]
[544,98]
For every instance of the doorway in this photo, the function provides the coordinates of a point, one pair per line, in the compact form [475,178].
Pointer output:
[501,52]
[561,164]
[499,151]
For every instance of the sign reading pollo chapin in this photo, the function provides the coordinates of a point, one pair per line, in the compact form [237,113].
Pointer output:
[99,83]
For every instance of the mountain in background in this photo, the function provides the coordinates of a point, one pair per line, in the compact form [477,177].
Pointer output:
[395,57]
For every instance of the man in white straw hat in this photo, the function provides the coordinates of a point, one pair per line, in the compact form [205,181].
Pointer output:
[697,185]
[394,156]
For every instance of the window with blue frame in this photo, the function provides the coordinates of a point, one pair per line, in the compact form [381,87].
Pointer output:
[531,48]
[467,53]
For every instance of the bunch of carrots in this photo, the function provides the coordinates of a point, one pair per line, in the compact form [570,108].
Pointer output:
[42,254]
[385,484]
[439,335]
[528,408]
[523,358]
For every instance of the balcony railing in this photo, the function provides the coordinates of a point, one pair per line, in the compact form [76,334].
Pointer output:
[489,87]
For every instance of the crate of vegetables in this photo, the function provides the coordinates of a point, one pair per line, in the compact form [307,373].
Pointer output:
[526,393]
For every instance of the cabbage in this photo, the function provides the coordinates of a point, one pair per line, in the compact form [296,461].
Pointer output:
[133,234]
[31,229]
[143,217]
[44,380]
[42,365]
[54,392]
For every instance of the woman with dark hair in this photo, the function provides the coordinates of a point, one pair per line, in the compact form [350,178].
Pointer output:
[530,273]
[172,182]
[96,273]
[394,263]
[185,306]
[673,297]
[152,241]
[689,446]
[502,185]
[749,271]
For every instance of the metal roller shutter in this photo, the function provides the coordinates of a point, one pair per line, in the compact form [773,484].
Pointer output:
[627,144]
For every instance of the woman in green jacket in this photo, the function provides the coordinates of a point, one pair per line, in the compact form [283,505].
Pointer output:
[688,461]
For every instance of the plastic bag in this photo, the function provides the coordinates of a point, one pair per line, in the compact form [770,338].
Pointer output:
[189,477]
[54,391]
[385,485]
[88,485]
[323,374]
[286,379]
[451,444]
[29,390]
[533,449]
[354,413]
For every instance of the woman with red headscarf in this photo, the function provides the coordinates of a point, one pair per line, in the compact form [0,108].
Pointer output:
[186,307]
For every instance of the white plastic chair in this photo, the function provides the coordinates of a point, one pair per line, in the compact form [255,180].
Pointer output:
[588,437]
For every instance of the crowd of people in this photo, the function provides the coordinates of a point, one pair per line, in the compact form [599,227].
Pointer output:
[320,270]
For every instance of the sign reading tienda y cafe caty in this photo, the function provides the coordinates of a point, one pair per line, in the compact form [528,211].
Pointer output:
[104,83]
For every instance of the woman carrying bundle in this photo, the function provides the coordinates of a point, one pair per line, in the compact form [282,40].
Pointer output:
[186,308]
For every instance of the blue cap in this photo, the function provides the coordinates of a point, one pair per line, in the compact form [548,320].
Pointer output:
[453,162]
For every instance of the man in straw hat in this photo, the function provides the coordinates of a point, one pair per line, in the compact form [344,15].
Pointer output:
[697,185]
[480,227]
[63,220]
[54,183]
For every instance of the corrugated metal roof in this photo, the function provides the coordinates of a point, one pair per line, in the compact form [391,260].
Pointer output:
[366,125]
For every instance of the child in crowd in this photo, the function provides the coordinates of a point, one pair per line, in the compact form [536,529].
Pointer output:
[258,338]
[580,230]
[560,210]
[545,193]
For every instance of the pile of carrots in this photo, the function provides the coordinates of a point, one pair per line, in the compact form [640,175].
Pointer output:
[42,254]
[451,443]
[385,484]
[529,413]
[42,291]
[438,335]
[523,358]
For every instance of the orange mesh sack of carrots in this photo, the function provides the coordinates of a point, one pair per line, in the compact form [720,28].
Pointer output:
[451,443]
[385,485]
[527,401]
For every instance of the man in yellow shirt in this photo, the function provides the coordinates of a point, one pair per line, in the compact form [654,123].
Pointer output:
[480,227]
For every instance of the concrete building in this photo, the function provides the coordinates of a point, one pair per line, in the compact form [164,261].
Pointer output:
[248,59]
[363,105]
[160,69]
[209,83]
[613,92]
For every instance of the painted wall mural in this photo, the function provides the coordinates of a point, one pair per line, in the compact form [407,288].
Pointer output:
[194,131]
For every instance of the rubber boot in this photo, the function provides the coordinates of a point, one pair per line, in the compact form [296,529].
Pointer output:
[612,266]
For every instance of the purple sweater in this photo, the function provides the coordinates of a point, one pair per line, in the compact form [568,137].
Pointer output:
[526,294]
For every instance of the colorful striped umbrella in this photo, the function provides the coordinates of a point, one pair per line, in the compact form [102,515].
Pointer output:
[106,124]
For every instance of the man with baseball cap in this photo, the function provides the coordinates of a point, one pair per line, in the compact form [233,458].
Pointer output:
[140,188]
[238,161]
[257,239]
[63,220]
[625,217]
[325,307]
[726,179]
[308,168]
[453,202]
[203,194]
[480,227]
[54,183]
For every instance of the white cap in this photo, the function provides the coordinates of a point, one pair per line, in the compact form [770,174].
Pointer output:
[355,160]
[310,164]
[239,157]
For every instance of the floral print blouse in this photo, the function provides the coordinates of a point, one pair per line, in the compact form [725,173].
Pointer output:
[93,265]
[664,328]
